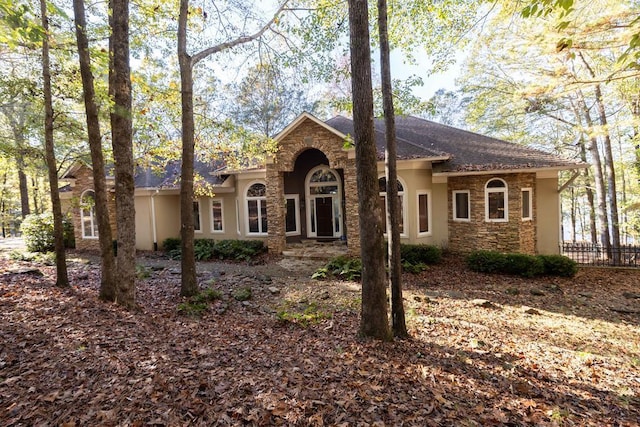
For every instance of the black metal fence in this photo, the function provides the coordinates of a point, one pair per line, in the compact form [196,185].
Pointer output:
[595,254]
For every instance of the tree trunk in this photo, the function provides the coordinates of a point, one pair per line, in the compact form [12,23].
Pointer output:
[22,179]
[122,142]
[611,177]
[34,193]
[601,193]
[189,282]
[398,322]
[3,206]
[374,321]
[593,230]
[107,280]
[62,278]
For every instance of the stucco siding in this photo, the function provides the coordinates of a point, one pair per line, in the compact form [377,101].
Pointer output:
[548,202]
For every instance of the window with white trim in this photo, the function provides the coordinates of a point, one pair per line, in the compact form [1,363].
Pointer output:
[496,206]
[527,204]
[292,219]
[257,209]
[217,219]
[382,183]
[88,218]
[424,212]
[196,217]
[461,205]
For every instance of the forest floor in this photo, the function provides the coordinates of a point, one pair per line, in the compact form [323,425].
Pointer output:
[485,350]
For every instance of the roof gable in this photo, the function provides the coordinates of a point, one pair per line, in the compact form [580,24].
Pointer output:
[307,116]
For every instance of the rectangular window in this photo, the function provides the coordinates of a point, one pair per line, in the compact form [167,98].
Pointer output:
[424,214]
[217,224]
[253,216]
[495,202]
[383,209]
[196,216]
[527,205]
[461,208]
[292,221]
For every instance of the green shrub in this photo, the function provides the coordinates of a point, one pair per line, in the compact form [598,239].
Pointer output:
[37,231]
[414,268]
[310,315]
[486,261]
[46,258]
[243,294]
[203,249]
[559,265]
[171,244]
[238,249]
[417,254]
[199,303]
[342,267]
[523,265]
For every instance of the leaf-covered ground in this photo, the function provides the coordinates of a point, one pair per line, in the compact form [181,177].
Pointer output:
[486,350]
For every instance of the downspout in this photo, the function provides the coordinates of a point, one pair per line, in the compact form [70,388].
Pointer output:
[153,221]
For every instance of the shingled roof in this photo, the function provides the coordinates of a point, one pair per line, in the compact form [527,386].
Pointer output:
[458,150]
[167,175]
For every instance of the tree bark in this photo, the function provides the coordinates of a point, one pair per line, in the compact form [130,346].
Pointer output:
[189,284]
[610,173]
[107,279]
[122,142]
[62,278]
[398,322]
[601,193]
[374,320]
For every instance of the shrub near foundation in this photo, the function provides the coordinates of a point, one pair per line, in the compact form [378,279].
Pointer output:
[521,264]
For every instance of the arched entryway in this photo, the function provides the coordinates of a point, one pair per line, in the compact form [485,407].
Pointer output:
[324,203]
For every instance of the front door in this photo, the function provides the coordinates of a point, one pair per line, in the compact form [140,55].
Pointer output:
[324,216]
[324,194]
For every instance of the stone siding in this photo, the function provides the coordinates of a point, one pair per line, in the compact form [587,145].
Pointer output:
[308,135]
[515,235]
[83,182]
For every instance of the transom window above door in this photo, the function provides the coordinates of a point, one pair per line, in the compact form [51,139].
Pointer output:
[323,181]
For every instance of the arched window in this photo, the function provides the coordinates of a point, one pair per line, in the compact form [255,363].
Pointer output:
[382,183]
[496,205]
[88,221]
[257,209]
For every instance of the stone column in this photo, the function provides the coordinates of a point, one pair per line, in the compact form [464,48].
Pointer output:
[276,211]
[351,208]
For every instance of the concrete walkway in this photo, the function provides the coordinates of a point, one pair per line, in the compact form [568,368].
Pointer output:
[9,244]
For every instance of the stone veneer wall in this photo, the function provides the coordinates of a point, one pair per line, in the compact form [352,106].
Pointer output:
[83,182]
[310,134]
[515,235]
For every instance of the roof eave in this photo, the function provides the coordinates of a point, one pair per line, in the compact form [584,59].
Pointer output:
[513,170]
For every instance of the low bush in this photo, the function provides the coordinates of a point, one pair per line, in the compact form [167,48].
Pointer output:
[37,230]
[311,314]
[238,249]
[199,303]
[559,265]
[342,267]
[417,254]
[521,264]
[203,249]
[486,261]
[243,294]
[208,249]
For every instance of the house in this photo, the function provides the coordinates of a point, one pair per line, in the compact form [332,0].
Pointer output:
[457,189]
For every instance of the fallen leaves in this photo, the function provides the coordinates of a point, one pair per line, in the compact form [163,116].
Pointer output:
[69,359]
